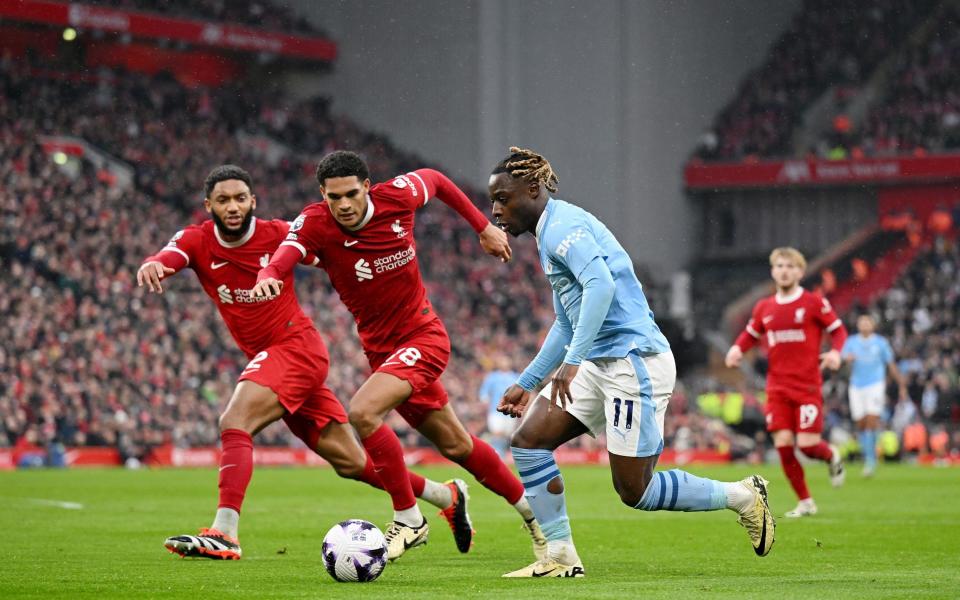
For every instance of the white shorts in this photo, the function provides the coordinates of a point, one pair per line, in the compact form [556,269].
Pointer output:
[626,398]
[867,400]
[500,424]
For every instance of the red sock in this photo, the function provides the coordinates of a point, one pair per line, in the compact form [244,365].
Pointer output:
[821,451]
[236,467]
[794,471]
[386,453]
[370,477]
[485,464]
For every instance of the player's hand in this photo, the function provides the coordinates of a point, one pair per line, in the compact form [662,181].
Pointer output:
[151,273]
[830,360]
[494,242]
[560,387]
[734,356]
[267,288]
[514,401]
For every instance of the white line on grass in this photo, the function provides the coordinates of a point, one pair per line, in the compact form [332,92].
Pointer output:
[57,503]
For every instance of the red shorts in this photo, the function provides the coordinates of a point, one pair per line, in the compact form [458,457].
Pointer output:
[800,412]
[419,360]
[296,369]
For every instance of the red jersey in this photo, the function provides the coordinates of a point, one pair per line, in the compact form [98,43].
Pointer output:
[374,266]
[228,271]
[793,327]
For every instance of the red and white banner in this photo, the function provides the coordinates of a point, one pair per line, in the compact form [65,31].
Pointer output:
[168,456]
[810,172]
[205,33]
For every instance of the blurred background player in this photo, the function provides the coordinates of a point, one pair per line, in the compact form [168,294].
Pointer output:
[363,238]
[288,359]
[495,383]
[793,321]
[616,373]
[869,355]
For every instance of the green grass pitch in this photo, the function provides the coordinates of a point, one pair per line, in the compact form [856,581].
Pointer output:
[896,536]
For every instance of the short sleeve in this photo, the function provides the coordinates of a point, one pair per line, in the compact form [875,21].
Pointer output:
[825,315]
[887,352]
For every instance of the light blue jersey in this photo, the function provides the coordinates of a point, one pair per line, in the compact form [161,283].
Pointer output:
[601,309]
[870,358]
[493,387]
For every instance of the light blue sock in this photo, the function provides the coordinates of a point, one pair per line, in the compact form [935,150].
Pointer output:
[870,448]
[537,468]
[679,490]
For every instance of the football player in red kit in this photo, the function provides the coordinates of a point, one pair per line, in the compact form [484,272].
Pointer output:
[288,359]
[793,321]
[363,238]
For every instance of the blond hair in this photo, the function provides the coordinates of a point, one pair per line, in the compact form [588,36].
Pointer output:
[790,254]
[529,166]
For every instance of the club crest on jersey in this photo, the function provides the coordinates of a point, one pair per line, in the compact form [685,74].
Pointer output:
[398,229]
[798,315]
[264,261]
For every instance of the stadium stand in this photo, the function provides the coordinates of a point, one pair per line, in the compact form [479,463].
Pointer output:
[828,43]
[256,13]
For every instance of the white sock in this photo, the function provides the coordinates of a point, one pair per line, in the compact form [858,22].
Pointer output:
[739,496]
[563,551]
[227,521]
[437,494]
[523,507]
[410,516]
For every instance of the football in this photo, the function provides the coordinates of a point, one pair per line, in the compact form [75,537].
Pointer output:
[354,550]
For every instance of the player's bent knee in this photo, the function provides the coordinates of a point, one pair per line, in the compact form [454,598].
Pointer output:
[364,421]
[458,451]
[631,492]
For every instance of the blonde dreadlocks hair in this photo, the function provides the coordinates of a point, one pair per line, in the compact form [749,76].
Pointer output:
[530,166]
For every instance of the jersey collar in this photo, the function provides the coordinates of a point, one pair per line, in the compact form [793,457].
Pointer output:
[544,217]
[792,297]
[246,237]
[366,216]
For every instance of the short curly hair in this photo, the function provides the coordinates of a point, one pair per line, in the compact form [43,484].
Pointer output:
[223,173]
[342,163]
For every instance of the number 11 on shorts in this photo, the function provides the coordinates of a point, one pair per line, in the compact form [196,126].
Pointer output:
[616,412]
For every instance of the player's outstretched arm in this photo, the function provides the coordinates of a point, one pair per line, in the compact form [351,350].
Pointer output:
[493,240]
[270,278]
[150,274]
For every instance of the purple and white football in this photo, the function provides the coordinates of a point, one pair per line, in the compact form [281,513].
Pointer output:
[354,550]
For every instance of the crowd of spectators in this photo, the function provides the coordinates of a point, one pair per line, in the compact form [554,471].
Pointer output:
[828,43]
[263,14]
[920,316]
[88,358]
[919,111]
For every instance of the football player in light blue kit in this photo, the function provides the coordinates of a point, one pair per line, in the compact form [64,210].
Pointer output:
[870,356]
[616,373]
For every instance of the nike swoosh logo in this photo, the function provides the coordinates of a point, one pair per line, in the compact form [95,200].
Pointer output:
[216,266]
[763,539]
[544,574]
[226,467]
[349,243]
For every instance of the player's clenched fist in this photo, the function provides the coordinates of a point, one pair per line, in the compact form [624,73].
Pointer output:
[267,288]
[734,356]
[830,360]
[151,273]
[494,242]
[514,401]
